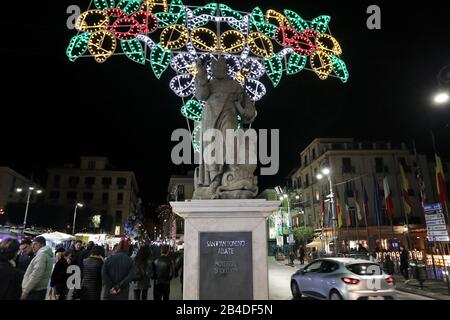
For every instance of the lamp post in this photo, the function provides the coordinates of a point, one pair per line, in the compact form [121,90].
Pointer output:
[30,191]
[326,172]
[286,197]
[78,205]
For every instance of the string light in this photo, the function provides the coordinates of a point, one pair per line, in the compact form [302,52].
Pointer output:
[160,60]
[92,20]
[260,44]
[196,137]
[259,21]
[129,6]
[174,37]
[175,15]
[191,49]
[235,45]
[286,36]
[133,50]
[245,53]
[296,21]
[209,9]
[320,24]
[255,89]
[150,5]
[278,17]
[296,63]
[328,44]
[283,53]
[146,20]
[181,62]
[116,13]
[193,110]
[234,23]
[274,69]
[302,43]
[255,68]
[102,45]
[183,85]
[125,28]
[149,42]
[321,64]
[199,36]
[78,46]
[340,69]
[104,4]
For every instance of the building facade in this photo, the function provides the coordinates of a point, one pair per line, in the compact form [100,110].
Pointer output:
[357,167]
[102,190]
[10,180]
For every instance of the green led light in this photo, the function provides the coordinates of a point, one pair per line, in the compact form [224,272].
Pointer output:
[193,110]
[160,60]
[133,50]
[176,15]
[296,63]
[78,46]
[296,21]
[104,4]
[274,69]
[228,12]
[259,21]
[209,9]
[239,119]
[196,139]
[340,68]
[129,6]
[320,24]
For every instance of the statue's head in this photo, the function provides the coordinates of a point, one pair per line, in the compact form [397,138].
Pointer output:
[219,68]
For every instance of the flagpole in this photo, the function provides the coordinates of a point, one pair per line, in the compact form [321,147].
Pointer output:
[356,214]
[402,204]
[377,204]
[365,213]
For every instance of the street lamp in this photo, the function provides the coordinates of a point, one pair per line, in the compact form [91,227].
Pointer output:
[78,205]
[441,98]
[29,192]
[327,172]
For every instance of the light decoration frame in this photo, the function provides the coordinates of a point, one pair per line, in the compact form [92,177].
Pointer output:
[272,43]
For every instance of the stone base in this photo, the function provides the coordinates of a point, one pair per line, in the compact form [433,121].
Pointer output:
[225,219]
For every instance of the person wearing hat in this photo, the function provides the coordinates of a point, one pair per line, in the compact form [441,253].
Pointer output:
[25,256]
[37,276]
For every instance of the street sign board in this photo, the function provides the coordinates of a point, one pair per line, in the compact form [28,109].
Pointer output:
[436,225]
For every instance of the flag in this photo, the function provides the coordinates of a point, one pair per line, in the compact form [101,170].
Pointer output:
[347,207]
[358,207]
[440,181]
[421,183]
[388,198]
[377,199]
[405,191]
[339,219]
[366,203]
[330,215]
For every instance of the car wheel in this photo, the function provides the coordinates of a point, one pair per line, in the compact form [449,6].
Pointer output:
[334,295]
[296,293]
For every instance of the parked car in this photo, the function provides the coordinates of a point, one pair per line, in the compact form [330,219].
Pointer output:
[343,279]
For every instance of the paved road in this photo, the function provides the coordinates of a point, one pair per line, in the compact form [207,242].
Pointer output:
[280,278]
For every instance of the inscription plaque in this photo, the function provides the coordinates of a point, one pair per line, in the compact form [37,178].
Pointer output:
[226,268]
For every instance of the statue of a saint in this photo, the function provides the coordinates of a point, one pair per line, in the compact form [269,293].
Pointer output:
[225,100]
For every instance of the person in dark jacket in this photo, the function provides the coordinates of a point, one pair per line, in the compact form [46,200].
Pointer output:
[142,267]
[162,273]
[117,273]
[91,284]
[59,276]
[301,255]
[11,277]
[388,265]
[85,253]
[179,261]
[404,264]
[25,256]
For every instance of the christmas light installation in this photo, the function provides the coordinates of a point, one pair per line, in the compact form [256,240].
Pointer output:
[256,44]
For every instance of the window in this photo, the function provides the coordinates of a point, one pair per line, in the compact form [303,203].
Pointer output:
[306,160]
[120,198]
[118,216]
[313,267]
[379,165]
[54,195]
[107,182]
[180,191]
[314,154]
[329,266]
[105,197]
[88,196]
[73,181]
[91,165]
[71,196]
[121,182]
[89,181]
[307,180]
[350,190]
[362,269]
[347,165]
[56,180]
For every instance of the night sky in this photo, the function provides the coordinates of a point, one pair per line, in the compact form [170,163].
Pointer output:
[54,110]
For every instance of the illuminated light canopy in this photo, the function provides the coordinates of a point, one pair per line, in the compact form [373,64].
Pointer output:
[209,9]
[104,4]
[102,45]
[92,20]
[260,45]
[258,20]
[182,62]
[174,37]
[125,28]
[115,13]
[146,21]
[183,85]
[148,41]
[286,36]
[303,45]
[255,89]
[196,137]
[228,12]
[160,60]
[321,64]
[175,15]
[129,6]
[151,5]
[296,21]
[274,69]
[193,110]
[232,41]
[328,44]
[320,24]
[133,50]
[340,68]
[204,39]
[278,17]
[78,46]
[296,63]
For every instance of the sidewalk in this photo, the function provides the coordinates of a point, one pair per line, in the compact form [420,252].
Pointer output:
[431,288]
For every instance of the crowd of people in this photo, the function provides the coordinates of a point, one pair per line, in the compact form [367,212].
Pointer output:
[31,271]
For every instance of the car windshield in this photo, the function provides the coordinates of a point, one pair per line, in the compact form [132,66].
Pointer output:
[364,269]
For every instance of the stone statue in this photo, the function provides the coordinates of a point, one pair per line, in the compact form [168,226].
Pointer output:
[225,100]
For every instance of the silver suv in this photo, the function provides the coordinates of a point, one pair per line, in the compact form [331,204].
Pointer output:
[343,279]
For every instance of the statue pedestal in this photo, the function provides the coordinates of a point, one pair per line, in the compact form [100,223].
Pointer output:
[225,248]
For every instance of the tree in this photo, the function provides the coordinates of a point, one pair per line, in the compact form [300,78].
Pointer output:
[303,235]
